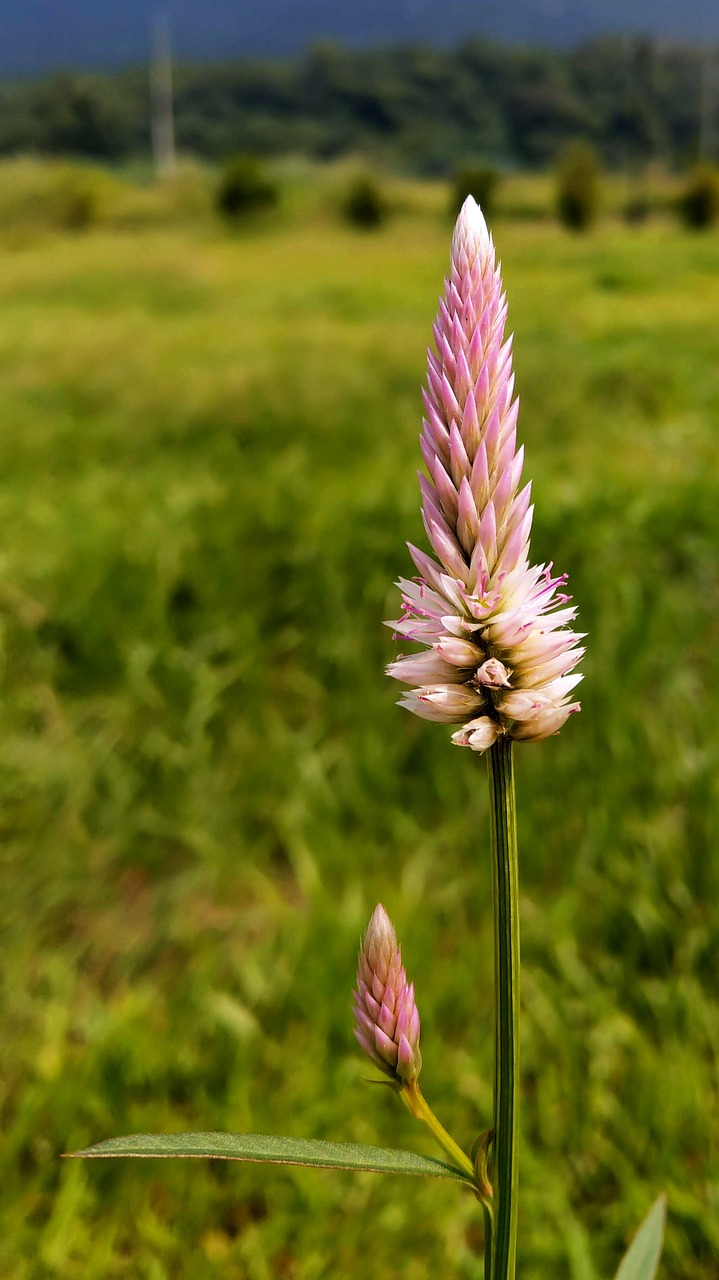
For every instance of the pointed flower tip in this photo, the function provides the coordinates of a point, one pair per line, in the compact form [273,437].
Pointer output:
[380,927]
[386,1017]
[470,215]
[471,233]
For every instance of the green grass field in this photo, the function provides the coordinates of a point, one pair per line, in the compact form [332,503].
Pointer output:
[209,444]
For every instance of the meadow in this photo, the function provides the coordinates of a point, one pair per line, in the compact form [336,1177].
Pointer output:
[209,444]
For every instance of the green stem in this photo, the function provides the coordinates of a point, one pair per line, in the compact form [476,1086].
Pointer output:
[488,1233]
[503,815]
[415,1100]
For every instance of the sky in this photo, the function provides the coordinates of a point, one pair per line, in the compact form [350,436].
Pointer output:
[42,35]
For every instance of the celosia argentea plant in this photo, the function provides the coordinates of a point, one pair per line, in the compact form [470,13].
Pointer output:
[498,660]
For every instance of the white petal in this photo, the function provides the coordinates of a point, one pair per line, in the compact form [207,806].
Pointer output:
[423,668]
[444,703]
[543,724]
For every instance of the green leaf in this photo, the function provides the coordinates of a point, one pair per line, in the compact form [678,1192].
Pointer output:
[641,1260]
[270,1149]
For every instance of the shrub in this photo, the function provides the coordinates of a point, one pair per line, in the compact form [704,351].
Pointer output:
[245,187]
[37,196]
[481,183]
[578,187]
[75,198]
[364,204]
[698,205]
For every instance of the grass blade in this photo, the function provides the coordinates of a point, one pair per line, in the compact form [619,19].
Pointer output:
[641,1260]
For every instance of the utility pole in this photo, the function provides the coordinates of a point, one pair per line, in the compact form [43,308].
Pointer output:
[163,124]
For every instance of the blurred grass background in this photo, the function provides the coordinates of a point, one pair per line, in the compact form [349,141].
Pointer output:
[209,444]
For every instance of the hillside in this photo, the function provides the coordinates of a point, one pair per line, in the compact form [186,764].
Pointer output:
[414,109]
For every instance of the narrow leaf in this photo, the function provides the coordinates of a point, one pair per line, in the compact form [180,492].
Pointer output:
[271,1149]
[641,1260]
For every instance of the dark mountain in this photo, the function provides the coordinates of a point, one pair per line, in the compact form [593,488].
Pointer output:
[41,35]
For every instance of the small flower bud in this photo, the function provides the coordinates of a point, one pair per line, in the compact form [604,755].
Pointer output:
[493,673]
[480,734]
[386,1017]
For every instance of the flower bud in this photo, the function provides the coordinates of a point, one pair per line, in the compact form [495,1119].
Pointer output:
[480,734]
[386,1017]
[493,673]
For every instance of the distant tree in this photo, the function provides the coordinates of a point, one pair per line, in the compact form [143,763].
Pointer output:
[578,187]
[643,132]
[698,204]
[245,187]
[543,109]
[78,115]
[364,204]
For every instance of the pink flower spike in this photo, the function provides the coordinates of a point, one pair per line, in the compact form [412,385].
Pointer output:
[387,1028]
[499,649]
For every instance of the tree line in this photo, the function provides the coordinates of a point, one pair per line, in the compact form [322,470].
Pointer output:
[424,109]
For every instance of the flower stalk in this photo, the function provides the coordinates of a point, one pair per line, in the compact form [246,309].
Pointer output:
[505,865]
[417,1104]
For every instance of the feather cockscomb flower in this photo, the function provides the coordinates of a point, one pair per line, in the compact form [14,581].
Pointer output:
[500,654]
[387,1021]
